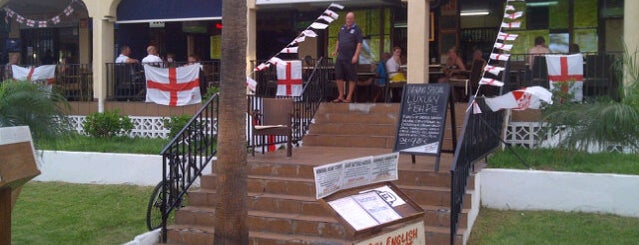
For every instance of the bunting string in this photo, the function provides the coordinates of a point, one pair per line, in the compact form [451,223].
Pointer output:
[500,51]
[10,14]
[322,22]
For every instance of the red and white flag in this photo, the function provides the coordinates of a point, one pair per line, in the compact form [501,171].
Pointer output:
[20,19]
[331,13]
[506,47]
[173,86]
[289,50]
[516,24]
[521,99]
[40,73]
[30,23]
[42,24]
[335,5]
[318,26]
[55,20]
[68,10]
[495,70]
[251,84]
[503,57]
[289,78]
[514,15]
[326,18]
[491,82]
[309,33]
[564,70]
[507,36]
[510,8]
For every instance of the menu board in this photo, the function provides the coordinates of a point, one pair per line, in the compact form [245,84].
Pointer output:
[422,118]
[351,173]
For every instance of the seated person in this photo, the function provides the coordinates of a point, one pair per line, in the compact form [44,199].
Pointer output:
[454,66]
[393,64]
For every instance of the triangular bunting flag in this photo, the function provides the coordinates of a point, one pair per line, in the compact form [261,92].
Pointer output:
[502,57]
[309,33]
[506,36]
[292,50]
[514,15]
[506,47]
[516,24]
[495,70]
[318,26]
[491,82]
[335,5]
[326,18]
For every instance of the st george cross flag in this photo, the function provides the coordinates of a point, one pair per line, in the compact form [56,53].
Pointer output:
[521,99]
[318,26]
[503,57]
[507,36]
[511,24]
[506,47]
[40,73]
[495,70]
[289,78]
[514,15]
[173,86]
[566,69]
[289,50]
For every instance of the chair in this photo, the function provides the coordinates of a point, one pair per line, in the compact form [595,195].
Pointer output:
[274,119]
[539,76]
[470,84]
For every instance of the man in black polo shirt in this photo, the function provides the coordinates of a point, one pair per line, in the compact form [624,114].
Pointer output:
[347,48]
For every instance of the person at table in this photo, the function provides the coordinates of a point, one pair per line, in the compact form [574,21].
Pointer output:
[194,59]
[152,57]
[393,66]
[14,59]
[538,50]
[347,49]
[125,52]
[454,66]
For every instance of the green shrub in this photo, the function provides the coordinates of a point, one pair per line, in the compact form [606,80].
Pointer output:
[107,124]
[175,124]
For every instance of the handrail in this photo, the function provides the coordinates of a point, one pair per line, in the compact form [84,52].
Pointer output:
[305,105]
[478,138]
[186,155]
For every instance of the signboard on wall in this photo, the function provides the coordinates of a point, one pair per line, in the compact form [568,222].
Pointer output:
[216,47]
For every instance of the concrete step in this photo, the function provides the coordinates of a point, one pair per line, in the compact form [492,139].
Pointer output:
[349,141]
[379,118]
[303,205]
[271,185]
[272,222]
[432,196]
[364,108]
[201,235]
[353,129]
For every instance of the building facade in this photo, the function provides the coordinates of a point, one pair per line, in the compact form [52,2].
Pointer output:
[90,31]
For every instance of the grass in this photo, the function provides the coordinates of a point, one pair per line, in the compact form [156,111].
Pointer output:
[562,160]
[61,213]
[546,227]
[116,144]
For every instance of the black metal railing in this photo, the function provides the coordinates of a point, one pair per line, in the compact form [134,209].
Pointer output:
[184,158]
[126,82]
[480,136]
[75,81]
[315,80]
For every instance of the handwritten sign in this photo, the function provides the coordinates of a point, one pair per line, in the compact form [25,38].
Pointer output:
[422,119]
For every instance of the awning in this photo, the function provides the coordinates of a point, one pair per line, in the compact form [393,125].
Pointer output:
[145,11]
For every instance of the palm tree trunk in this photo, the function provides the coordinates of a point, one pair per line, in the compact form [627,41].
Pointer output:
[230,210]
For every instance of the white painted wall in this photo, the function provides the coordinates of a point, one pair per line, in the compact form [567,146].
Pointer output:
[101,168]
[560,191]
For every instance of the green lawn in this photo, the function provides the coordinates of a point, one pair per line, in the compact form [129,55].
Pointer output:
[547,227]
[61,213]
[561,160]
[115,144]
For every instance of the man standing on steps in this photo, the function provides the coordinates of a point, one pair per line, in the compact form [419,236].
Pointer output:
[347,48]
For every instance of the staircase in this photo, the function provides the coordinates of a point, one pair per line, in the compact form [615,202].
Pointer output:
[282,207]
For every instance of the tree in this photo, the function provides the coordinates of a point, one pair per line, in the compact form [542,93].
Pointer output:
[230,211]
[33,105]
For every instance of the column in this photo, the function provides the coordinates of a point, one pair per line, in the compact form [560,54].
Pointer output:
[630,31]
[103,51]
[417,47]
[251,35]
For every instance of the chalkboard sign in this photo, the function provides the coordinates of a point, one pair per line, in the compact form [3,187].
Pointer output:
[422,118]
